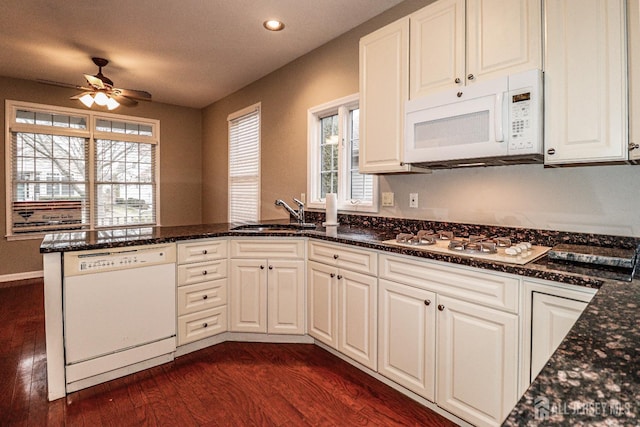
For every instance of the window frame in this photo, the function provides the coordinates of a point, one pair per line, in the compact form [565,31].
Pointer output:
[255,108]
[91,134]
[342,107]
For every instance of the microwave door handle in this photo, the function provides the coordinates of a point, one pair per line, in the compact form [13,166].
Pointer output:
[499,122]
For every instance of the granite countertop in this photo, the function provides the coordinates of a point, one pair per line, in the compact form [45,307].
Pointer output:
[592,379]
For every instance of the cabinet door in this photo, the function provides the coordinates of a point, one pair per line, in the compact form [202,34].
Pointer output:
[357,305]
[407,337]
[437,57]
[585,81]
[384,88]
[477,361]
[503,37]
[248,295]
[551,318]
[322,314]
[285,297]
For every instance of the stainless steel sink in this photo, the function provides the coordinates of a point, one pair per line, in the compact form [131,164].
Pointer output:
[273,228]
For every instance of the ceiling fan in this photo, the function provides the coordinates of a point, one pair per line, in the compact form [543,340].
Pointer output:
[100,90]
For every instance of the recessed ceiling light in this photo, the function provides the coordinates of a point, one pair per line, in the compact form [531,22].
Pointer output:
[273,25]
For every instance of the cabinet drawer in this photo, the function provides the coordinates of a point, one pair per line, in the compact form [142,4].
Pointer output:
[350,258]
[202,324]
[201,272]
[267,249]
[488,289]
[201,251]
[202,296]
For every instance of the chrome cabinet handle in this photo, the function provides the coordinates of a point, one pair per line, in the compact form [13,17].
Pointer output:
[633,146]
[204,273]
[459,94]
[271,267]
[262,267]
[471,77]
[551,151]
[336,256]
[457,80]
[205,296]
[339,277]
[204,325]
[204,252]
[427,302]
[332,275]
[440,307]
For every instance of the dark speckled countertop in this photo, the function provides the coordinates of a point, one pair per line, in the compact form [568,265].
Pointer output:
[592,379]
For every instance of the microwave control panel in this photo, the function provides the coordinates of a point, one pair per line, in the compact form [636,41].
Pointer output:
[521,113]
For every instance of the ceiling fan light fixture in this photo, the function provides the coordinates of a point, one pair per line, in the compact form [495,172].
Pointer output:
[112,104]
[87,100]
[101,99]
[273,25]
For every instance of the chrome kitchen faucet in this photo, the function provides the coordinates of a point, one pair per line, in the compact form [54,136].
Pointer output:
[299,214]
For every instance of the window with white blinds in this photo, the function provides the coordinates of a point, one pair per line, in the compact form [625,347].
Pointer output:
[70,169]
[244,164]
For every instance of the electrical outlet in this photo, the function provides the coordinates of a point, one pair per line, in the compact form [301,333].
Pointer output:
[413,200]
[387,199]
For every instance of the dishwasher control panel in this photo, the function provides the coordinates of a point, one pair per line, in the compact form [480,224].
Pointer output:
[86,262]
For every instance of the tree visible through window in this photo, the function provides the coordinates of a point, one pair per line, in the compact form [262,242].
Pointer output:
[334,147]
[50,183]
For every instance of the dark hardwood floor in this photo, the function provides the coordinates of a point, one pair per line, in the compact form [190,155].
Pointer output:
[231,384]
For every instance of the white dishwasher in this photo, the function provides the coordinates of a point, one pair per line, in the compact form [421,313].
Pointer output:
[119,312]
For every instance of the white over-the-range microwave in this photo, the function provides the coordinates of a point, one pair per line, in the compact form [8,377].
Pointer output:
[486,123]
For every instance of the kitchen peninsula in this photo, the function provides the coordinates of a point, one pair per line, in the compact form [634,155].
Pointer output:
[592,378]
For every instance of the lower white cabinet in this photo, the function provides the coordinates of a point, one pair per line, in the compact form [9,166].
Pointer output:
[407,337]
[267,294]
[477,361]
[202,289]
[342,305]
[550,311]
[450,334]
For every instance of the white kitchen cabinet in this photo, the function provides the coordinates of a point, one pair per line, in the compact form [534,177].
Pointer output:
[342,303]
[267,294]
[407,337]
[384,89]
[585,82]
[633,25]
[202,289]
[477,361]
[460,335]
[456,42]
[550,311]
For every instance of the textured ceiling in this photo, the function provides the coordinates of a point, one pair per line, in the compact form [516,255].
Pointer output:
[186,52]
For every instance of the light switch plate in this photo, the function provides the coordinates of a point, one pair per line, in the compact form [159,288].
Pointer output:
[413,200]
[387,199]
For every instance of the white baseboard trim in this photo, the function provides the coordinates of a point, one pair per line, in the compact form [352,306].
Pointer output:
[21,276]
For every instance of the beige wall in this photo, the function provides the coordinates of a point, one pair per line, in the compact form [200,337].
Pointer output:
[180,164]
[322,75]
[594,199]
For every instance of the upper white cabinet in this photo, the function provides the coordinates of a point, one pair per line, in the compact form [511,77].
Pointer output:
[384,88]
[456,42]
[585,82]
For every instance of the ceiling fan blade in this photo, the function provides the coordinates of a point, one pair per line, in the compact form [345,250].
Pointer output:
[141,95]
[61,84]
[95,82]
[80,95]
[126,101]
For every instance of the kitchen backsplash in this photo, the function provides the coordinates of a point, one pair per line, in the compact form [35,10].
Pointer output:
[539,237]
